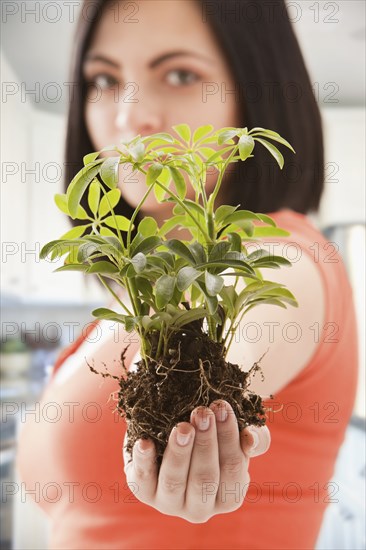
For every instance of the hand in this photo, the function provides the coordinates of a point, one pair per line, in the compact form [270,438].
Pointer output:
[204,470]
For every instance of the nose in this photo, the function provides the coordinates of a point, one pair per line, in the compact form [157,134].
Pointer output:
[137,114]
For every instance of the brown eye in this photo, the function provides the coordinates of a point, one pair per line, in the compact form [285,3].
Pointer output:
[103,81]
[181,77]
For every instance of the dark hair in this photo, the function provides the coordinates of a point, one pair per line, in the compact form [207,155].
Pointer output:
[275,93]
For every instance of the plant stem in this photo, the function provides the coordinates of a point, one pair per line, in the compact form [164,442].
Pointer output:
[212,328]
[219,181]
[136,211]
[107,287]
[232,330]
[181,203]
[114,217]
[160,342]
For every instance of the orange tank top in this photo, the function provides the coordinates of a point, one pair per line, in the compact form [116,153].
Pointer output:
[71,456]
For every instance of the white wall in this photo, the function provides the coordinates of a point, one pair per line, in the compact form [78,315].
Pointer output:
[32,143]
[15,149]
[344,197]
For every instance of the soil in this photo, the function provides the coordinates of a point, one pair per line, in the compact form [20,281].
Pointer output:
[157,396]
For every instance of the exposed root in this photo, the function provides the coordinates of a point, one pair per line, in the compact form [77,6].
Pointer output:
[160,394]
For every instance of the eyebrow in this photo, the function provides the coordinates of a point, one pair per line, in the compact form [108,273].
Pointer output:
[98,57]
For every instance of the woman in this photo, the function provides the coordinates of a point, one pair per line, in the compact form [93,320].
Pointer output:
[143,67]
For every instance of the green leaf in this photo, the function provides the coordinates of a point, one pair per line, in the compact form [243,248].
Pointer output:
[201,132]
[72,267]
[159,193]
[285,295]
[120,222]
[170,224]
[206,152]
[110,315]
[218,155]
[103,267]
[103,313]
[223,211]
[198,252]
[265,231]
[235,240]
[164,136]
[219,251]
[81,213]
[184,317]
[212,304]
[227,135]
[247,226]
[273,150]
[109,201]
[267,219]
[241,215]
[157,263]
[148,226]
[137,152]
[228,295]
[86,250]
[94,196]
[78,186]
[164,290]
[57,245]
[153,173]
[168,258]
[115,244]
[230,262]
[181,250]
[109,171]
[146,245]
[145,287]
[155,267]
[179,181]
[105,232]
[257,254]
[184,131]
[71,258]
[178,209]
[279,260]
[61,203]
[214,283]
[139,262]
[164,178]
[94,239]
[91,157]
[75,232]
[271,135]
[211,301]
[186,276]
[246,146]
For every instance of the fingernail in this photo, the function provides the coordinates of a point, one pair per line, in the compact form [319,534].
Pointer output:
[202,419]
[182,438]
[253,432]
[144,446]
[221,412]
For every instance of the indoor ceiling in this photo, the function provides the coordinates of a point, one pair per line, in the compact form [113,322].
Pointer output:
[332,36]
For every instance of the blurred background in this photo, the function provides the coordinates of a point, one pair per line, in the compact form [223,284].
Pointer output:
[42,312]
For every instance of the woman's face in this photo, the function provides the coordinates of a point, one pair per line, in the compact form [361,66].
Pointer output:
[164,69]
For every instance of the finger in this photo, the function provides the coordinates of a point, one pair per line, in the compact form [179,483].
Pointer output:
[142,471]
[233,462]
[255,440]
[174,469]
[204,472]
